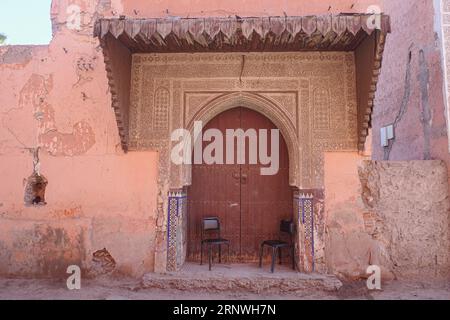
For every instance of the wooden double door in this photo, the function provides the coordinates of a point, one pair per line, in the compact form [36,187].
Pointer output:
[250,205]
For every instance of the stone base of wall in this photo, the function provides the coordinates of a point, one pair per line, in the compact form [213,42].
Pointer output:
[391,214]
[42,248]
[46,248]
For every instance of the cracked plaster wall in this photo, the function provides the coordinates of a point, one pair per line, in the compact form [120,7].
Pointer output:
[386,213]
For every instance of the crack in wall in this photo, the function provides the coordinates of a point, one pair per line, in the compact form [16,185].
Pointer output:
[242,69]
[30,95]
[426,118]
[36,160]
[403,106]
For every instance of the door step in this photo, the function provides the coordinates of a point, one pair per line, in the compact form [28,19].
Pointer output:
[240,278]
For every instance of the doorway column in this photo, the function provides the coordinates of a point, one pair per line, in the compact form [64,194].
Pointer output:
[176,229]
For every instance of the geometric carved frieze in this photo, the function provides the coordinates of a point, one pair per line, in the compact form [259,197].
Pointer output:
[161,109]
[310,96]
[322,109]
[288,101]
[193,102]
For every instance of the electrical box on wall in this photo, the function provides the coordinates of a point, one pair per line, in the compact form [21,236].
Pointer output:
[387,133]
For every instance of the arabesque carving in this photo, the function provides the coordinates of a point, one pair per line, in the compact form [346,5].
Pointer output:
[310,97]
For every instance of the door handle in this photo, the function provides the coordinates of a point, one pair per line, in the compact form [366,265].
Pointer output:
[234,205]
[244,179]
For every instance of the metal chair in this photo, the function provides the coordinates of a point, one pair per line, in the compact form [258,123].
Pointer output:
[286,227]
[212,225]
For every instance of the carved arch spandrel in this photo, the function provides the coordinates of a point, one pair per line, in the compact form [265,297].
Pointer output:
[257,103]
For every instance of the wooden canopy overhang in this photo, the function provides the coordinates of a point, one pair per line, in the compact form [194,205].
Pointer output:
[361,33]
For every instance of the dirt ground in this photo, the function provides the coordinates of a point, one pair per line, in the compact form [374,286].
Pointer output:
[127,289]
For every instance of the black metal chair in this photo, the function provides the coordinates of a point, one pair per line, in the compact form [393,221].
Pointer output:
[212,225]
[287,228]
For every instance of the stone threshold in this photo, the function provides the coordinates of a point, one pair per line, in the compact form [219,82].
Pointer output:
[240,278]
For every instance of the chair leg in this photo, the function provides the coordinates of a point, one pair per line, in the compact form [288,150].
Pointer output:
[261,249]
[274,257]
[228,255]
[293,257]
[201,254]
[220,253]
[210,256]
[279,256]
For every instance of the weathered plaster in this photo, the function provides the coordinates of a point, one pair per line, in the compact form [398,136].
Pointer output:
[58,100]
[391,214]
[217,8]
[110,198]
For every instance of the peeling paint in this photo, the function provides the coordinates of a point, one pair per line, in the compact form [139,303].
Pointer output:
[35,94]
[76,143]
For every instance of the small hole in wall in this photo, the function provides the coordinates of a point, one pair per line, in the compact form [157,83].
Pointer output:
[103,262]
[35,190]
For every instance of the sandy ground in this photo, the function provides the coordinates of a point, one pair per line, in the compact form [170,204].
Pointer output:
[127,289]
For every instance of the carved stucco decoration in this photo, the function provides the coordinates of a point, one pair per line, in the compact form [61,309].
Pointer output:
[326,33]
[310,97]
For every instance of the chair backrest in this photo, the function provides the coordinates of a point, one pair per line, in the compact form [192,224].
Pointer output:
[287,226]
[210,224]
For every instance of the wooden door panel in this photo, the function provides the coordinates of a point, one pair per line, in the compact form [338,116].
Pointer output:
[211,202]
[249,205]
[215,192]
[266,200]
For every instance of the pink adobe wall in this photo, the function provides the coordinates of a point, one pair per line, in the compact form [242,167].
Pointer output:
[220,8]
[205,8]
[94,202]
[410,87]
[56,97]
[347,245]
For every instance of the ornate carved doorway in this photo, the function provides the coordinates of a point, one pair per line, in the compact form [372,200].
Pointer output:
[249,205]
